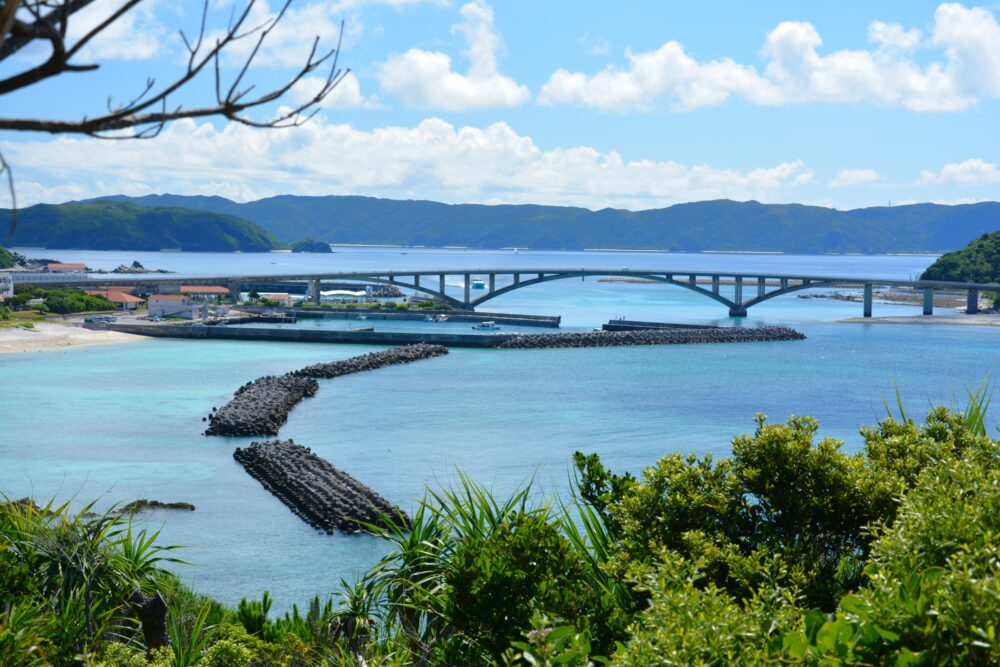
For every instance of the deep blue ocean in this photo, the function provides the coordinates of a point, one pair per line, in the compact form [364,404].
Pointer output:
[119,422]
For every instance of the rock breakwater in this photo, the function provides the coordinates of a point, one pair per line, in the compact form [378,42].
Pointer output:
[326,498]
[261,407]
[368,362]
[651,337]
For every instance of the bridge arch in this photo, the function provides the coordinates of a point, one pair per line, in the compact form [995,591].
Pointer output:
[549,277]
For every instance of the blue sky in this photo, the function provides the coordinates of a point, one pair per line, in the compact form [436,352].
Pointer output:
[634,105]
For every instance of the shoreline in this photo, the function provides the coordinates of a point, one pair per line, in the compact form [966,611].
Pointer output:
[46,336]
[961,319]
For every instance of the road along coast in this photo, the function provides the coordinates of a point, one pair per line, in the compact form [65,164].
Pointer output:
[326,498]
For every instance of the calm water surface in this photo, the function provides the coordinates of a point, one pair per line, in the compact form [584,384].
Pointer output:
[119,422]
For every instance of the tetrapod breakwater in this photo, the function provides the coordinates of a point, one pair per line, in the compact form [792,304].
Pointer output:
[326,498]
[651,337]
[261,407]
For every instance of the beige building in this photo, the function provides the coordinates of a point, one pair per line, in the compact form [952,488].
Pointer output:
[171,305]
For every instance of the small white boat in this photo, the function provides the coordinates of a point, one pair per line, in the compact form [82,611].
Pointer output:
[441,318]
[478,283]
[488,325]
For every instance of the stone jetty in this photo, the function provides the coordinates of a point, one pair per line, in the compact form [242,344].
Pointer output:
[326,498]
[261,407]
[651,337]
[368,362]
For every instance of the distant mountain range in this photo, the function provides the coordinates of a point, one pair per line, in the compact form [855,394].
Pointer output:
[699,226]
[154,222]
[115,225]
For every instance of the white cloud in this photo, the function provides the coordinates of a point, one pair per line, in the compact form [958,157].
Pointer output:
[346,95]
[796,72]
[846,178]
[136,35]
[974,171]
[432,159]
[426,80]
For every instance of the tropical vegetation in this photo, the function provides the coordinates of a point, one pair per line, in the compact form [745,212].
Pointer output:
[789,551]
[689,227]
[59,301]
[978,262]
[107,225]
[6,259]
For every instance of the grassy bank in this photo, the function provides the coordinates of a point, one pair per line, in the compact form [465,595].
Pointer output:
[789,551]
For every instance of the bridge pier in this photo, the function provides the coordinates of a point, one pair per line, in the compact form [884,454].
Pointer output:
[441,284]
[517,278]
[738,291]
[761,285]
[316,288]
[715,285]
[493,282]
[928,301]
[468,279]
[972,302]
[868,300]
[416,280]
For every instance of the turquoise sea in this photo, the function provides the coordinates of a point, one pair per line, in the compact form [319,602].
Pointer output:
[119,422]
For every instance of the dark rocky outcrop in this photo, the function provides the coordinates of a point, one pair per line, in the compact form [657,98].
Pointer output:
[651,337]
[320,494]
[261,407]
[142,505]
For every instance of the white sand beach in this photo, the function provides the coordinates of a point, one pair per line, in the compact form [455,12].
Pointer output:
[977,320]
[50,336]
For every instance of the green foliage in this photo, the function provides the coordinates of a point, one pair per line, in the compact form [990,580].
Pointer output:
[106,225]
[61,301]
[6,259]
[691,227]
[978,262]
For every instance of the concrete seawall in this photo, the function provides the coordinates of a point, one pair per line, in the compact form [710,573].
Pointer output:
[652,337]
[510,319]
[305,335]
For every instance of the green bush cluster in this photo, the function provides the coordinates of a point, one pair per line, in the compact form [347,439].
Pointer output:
[790,551]
[61,301]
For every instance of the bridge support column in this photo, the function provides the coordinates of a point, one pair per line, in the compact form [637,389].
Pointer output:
[493,282]
[468,278]
[868,300]
[416,280]
[441,284]
[928,302]
[972,303]
[738,309]
[715,285]
[692,279]
[315,287]
[761,285]
[517,278]
[784,283]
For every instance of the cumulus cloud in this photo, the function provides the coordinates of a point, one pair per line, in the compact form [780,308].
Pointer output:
[796,72]
[974,171]
[136,35]
[846,178]
[346,95]
[433,159]
[426,79]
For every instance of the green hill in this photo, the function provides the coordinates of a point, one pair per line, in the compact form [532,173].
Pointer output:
[6,259]
[114,225]
[693,227]
[978,262]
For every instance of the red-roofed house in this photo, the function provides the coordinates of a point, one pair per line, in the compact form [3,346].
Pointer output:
[283,298]
[122,300]
[209,292]
[58,267]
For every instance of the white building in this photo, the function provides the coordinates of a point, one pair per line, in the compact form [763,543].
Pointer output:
[6,284]
[171,305]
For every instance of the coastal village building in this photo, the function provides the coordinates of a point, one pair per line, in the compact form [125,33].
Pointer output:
[206,292]
[59,267]
[122,300]
[171,305]
[283,298]
[6,285]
